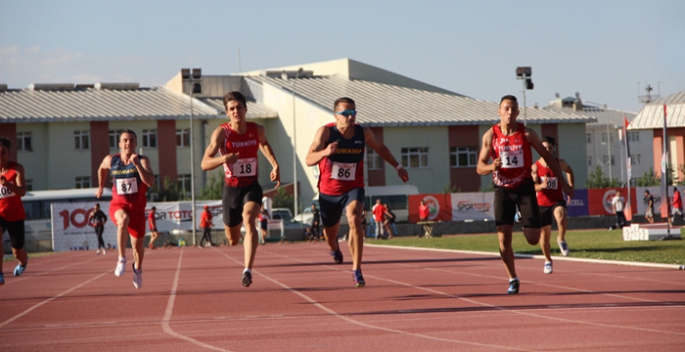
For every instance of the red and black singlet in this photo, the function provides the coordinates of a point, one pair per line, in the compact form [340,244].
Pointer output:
[127,186]
[11,207]
[553,193]
[514,151]
[343,171]
[244,171]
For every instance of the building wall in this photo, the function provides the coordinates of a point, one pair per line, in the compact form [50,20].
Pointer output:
[35,161]
[65,162]
[464,179]
[573,152]
[676,145]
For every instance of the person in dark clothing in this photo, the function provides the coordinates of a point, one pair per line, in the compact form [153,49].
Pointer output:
[389,221]
[97,219]
[315,226]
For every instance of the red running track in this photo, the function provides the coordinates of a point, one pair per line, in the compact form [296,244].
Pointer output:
[415,300]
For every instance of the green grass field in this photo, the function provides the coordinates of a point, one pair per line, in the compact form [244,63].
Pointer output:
[594,244]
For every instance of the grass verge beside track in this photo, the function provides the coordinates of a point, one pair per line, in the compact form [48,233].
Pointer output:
[591,244]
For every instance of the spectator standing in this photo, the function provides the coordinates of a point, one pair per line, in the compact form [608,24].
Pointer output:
[649,200]
[389,221]
[677,206]
[97,219]
[617,204]
[206,225]
[378,211]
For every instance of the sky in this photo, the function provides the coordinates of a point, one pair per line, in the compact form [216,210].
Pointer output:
[599,49]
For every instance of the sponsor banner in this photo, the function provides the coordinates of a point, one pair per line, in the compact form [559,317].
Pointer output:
[599,200]
[439,205]
[71,230]
[578,205]
[473,206]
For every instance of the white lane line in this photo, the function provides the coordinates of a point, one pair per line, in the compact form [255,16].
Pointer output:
[51,299]
[31,275]
[170,309]
[356,322]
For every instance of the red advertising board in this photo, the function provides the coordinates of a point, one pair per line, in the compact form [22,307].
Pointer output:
[440,206]
[599,200]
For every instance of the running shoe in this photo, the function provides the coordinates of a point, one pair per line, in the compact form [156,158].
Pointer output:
[247,278]
[563,247]
[104,252]
[513,287]
[2,279]
[337,256]
[358,278]
[547,268]
[121,267]
[137,277]
[20,269]
[97,252]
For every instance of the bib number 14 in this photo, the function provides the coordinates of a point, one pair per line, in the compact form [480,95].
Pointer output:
[512,159]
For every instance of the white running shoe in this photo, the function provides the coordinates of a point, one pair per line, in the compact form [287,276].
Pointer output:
[548,268]
[97,252]
[137,277]
[121,267]
[563,247]
[104,252]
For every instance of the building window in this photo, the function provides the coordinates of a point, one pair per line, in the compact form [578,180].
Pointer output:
[81,139]
[82,182]
[605,159]
[588,137]
[373,160]
[415,157]
[613,160]
[633,136]
[606,136]
[114,139]
[463,156]
[149,138]
[635,159]
[183,182]
[24,141]
[29,185]
[589,161]
[183,137]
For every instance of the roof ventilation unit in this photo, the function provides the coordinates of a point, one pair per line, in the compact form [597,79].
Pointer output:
[51,86]
[117,86]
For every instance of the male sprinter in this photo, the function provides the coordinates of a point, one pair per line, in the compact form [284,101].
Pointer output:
[551,202]
[237,142]
[508,144]
[131,176]
[12,188]
[338,149]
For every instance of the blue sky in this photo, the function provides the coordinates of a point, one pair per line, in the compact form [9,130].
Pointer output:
[600,49]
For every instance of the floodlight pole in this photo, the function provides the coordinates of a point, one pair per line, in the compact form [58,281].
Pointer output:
[525,116]
[296,198]
[191,78]
[524,73]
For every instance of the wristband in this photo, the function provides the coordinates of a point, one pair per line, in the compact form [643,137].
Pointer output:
[398,167]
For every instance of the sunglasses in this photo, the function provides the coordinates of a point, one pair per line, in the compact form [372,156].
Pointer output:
[347,113]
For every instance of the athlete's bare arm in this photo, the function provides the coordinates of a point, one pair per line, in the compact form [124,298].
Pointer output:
[19,188]
[570,179]
[539,186]
[549,159]
[265,147]
[319,150]
[103,170]
[483,168]
[384,153]
[142,164]
[209,161]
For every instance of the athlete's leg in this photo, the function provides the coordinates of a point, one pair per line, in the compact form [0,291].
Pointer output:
[506,252]
[560,214]
[331,235]
[122,220]
[21,255]
[545,235]
[356,241]
[138,251]
[250,243]
[233,234]
[153,237]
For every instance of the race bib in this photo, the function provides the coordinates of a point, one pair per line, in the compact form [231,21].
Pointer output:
[344,172]
[245,167]
[6,192]
[552,182]
[127,185]
[511,159]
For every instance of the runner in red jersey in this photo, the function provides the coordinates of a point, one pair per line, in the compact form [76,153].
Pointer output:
[152,225]
[508,144]
[338,148]
[551,202]
[12,188]
[131,176]
[237,143]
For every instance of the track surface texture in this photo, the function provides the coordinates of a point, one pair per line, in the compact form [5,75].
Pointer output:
[414,300]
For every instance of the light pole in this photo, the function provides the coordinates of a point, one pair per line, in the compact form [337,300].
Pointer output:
[296,198]
[195,88]
[524,73]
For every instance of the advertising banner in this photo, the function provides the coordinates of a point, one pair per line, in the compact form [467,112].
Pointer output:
[599,200]
[439,205]
[473,206]
[578,205]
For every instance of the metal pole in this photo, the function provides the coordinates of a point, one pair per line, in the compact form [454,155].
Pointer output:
[525,117]
[609,151]
[192,162]
[296,198]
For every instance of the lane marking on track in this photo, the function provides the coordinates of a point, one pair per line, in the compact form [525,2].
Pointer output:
[31,275]
[170,309]
[359,323]
[52,299]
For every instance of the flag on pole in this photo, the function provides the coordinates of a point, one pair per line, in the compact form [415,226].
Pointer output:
[664,168]
[628,210]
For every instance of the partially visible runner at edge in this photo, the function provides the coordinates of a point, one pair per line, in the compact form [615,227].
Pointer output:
[237,142]
[551,202]
[508,145]
[338,149]
[12,188]
[131,176]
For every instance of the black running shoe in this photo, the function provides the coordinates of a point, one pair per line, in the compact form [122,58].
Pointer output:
[247,279]
[358,278]
[513,287]
[337,256]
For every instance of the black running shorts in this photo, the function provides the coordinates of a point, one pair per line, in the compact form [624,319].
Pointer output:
[16,231]
[332,207]
[235,198]
[547,213]
[506,200]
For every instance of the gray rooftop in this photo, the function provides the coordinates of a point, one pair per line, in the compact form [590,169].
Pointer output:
[389,105]
[254,110]
[604,116]
[652,115]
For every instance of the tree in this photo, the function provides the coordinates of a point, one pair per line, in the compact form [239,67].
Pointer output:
[649,179]
[449,188]
[213,189]
[597,179]
[168,193]
[283,200]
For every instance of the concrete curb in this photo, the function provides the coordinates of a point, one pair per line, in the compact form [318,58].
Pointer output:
[581,260]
